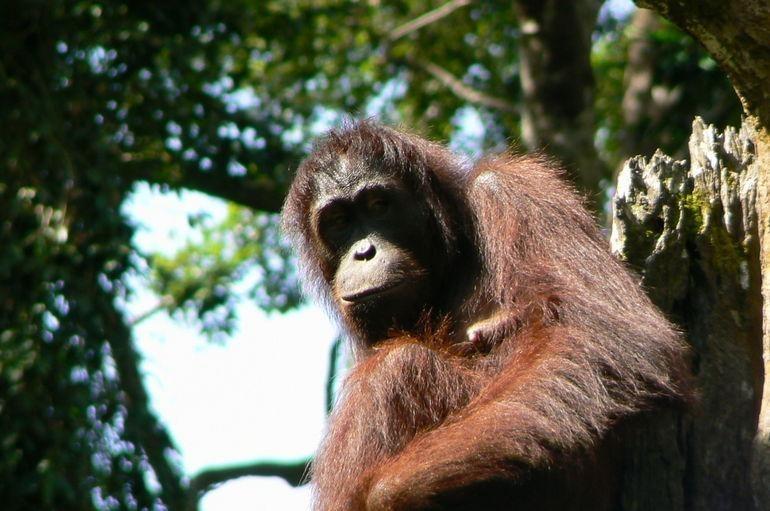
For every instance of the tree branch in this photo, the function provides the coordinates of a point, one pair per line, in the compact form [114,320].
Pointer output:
[164,303]
[463,91]
[454,84]
[426,19]
[334,355]
[259,194]
[293,472]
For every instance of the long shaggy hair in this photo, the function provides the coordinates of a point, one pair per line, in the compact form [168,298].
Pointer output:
[581,347]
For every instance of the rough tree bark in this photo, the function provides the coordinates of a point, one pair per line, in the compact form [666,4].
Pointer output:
[713,224]
[691,231]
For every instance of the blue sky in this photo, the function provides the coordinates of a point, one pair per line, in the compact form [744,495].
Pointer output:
[258,395]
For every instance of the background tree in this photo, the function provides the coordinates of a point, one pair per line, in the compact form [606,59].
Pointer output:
[221,97]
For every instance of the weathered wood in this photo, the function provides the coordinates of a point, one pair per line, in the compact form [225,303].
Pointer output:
[690,229]
[737,35]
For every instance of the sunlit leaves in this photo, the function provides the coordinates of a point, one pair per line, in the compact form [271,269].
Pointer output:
[241,257]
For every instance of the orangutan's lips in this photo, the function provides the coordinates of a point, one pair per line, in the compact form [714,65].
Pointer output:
[373,292]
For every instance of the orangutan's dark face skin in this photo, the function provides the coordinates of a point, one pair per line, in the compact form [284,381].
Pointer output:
[375,237]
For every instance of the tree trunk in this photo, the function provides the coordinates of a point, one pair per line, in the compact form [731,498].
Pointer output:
[721,290]
[691,231]
[558,84]
[639,105]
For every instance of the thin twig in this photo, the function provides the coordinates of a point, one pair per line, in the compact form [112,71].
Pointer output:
[426,19]
[463,91]
[164,303]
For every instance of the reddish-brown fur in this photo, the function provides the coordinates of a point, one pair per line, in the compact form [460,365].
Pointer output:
[428,421]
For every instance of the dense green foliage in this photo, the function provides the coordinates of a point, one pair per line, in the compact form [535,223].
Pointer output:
[200,283]
[219,97]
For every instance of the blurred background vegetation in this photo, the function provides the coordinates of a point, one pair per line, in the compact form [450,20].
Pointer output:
[222,97]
